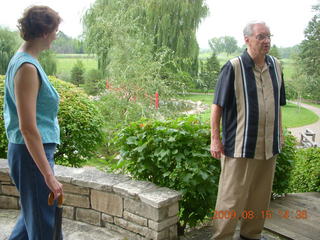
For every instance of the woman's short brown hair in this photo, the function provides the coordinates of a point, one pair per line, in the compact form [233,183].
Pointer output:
[37,21]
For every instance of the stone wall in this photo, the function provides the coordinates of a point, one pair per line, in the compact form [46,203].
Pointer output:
[136,209]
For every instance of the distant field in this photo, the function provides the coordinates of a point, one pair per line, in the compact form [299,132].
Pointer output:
[65,63]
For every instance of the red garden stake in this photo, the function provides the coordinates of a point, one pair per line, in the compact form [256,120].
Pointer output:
[157,100]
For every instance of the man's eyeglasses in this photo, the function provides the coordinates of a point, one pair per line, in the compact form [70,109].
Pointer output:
[262,37]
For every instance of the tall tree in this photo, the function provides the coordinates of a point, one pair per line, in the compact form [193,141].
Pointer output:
[226,44]
[217,45]
[309,56]
[8,45]
[167,23]
[310,46]
[230,44]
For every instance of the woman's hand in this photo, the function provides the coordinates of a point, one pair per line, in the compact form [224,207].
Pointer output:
[54,185]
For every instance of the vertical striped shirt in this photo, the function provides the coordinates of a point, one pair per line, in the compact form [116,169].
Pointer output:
[250,98]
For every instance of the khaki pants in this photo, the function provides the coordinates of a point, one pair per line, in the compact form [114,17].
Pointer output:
[244,190]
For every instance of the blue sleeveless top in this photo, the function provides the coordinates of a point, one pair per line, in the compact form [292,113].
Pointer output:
[47,103]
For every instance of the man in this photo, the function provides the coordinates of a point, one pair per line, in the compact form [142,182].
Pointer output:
[248,96]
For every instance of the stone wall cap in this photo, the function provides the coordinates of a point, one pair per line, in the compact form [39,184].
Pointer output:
[89,177]
[133,188]
[160,197]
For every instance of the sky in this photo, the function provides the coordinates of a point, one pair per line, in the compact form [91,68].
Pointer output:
[287,19]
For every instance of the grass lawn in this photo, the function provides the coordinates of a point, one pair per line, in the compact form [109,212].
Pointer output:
[292,115]
[65,64]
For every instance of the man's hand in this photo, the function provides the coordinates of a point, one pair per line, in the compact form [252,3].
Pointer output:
[216,148]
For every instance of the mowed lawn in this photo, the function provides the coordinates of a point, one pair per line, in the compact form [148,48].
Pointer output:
[293,116]
[65,63]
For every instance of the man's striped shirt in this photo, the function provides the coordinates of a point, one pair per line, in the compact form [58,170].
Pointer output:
[250,98]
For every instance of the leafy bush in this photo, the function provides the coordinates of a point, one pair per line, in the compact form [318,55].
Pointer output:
[284,164]
[94,82]
[173,153]
[305,176]
[3,137]
[80,125]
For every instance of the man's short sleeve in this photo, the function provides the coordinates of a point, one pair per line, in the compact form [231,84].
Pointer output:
[224,85]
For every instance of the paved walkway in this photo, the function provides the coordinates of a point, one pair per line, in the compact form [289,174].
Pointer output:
[315,127]
[73,230]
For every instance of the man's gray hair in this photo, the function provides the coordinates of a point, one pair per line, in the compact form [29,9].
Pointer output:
[248,29]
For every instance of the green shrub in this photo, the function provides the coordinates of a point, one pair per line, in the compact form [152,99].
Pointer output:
[306,172]
[175,154]
[94,82]
[284,164]
[80,125]
[77,73]
[3,137]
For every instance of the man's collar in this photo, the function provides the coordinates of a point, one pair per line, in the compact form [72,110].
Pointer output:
[248,61]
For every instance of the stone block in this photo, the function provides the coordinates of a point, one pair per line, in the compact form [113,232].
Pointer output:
[144,210]
[135,218]
[4,177]
[107,218]
[173,210]
[70,188]
[132,188]
[173,232]
[76,200]
[68,212]
[109,203]
[131,226]
[8,202]
[154,235]
[160,197]
[10,190]
[88,216]
[158,226]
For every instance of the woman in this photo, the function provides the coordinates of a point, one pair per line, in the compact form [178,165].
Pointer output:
[30,114]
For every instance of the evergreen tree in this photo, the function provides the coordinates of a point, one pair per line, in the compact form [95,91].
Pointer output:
[77,73]
[210,71]
[93,82]
[310,46]
[309,56]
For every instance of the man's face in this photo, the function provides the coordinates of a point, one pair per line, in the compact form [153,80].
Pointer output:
[259,42]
